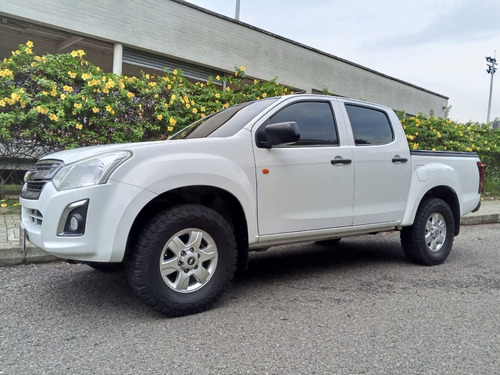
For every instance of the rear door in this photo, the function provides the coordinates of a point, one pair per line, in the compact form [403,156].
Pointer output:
[309,184]
[382,165]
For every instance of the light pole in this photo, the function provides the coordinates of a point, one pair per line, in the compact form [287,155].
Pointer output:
[491,62]
[237,11]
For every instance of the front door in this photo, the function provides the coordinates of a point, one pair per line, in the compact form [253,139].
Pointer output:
[309,184]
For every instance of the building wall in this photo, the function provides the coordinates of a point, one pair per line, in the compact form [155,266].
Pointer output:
[179,30]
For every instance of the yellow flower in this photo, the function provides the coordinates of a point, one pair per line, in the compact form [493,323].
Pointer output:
[217,78]
[159,117]
[255,81]
[264,95]
[217,95]
[95,109]
[242,68]
[77,105]
[2,103]
[195,110]
[175,72]
[79,126]
[3,205]
[170,128]
[78,53]
[29,43]
[63,96]
[169,87]
[85,76]
[172,121]
[21,91]
[108,108]
[71,74]
[15,97]
[28,51]
[202,109]
[188,106]
[130,94]
[53,117]
[68,88]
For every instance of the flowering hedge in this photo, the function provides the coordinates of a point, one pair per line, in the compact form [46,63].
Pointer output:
[433,133]
[65,101]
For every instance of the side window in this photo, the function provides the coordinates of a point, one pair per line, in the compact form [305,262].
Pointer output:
[315,121]
[369,126]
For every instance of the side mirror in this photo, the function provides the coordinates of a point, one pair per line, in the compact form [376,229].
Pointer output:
[281,133]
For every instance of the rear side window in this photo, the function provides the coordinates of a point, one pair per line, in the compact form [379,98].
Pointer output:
[315,121]
[369,126]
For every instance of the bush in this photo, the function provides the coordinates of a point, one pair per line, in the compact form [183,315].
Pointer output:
[433,133]
[63,101]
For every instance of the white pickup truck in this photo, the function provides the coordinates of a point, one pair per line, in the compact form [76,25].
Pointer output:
[182,215]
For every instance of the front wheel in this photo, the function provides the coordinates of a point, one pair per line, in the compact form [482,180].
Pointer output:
[184,260]
[429,240]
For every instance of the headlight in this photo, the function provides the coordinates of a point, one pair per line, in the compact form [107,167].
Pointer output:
[88,172]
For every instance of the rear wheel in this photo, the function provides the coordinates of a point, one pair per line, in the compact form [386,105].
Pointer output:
[429,240]
[184,260]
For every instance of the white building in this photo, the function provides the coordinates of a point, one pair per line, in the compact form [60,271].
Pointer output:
[129,36]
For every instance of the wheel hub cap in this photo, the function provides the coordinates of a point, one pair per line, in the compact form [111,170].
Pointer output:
[188,260]
[435,232]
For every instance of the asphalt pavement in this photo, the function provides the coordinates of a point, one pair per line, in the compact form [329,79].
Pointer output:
[10,253]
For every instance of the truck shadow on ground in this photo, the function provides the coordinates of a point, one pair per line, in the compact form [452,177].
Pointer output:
[89,291]
[289,261]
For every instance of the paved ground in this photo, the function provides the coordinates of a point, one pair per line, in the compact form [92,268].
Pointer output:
[9,235]
[358,308]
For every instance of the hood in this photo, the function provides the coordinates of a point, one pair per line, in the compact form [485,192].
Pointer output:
[76,154]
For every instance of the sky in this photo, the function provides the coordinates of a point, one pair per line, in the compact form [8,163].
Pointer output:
[440,45]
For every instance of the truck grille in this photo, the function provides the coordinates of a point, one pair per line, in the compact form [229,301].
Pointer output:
[38,176]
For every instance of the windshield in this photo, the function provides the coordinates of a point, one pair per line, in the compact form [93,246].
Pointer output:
[226,122]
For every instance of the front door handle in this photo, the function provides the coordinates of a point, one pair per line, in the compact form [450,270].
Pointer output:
[341,161]
[399,160]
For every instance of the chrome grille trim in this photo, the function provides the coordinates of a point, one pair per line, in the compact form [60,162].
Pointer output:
[38,176]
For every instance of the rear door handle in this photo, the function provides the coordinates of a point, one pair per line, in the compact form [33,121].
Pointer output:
[399,160]
[341,161]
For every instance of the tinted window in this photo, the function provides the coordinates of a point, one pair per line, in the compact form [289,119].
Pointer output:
[315,121]
[226,122]
[369,126]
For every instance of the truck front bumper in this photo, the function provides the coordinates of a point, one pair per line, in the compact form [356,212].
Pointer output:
[88,224]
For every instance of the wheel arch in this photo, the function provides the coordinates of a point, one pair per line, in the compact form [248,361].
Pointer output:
[220,200]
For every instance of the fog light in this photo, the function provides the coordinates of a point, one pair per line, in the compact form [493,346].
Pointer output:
[73,219]
[73,223]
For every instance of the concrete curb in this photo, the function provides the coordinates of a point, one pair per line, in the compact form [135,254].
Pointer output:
[12,256]
[481,219]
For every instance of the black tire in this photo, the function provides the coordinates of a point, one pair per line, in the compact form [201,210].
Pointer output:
[196,249]
[329,243]
[430,239]
[105,267]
